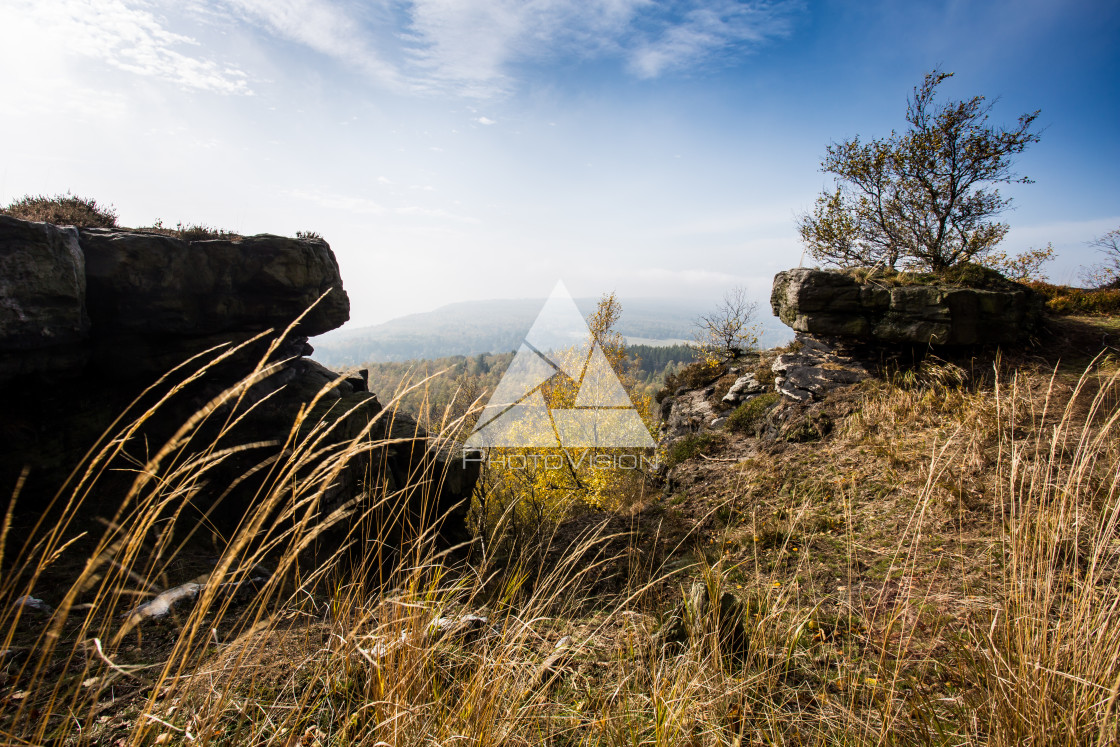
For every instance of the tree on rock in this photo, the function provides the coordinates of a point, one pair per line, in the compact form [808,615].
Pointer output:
[920,200]
[728,331]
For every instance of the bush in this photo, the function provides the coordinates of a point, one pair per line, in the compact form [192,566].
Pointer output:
[689,447]
[966,275]
[63,210]
[693,376]
[750,414]
[200,232]
[1061,299]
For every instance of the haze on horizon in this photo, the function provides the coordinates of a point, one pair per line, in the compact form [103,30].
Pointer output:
[454,151]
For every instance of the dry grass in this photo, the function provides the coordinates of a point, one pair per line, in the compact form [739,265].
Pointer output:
[942,570]
[63,210]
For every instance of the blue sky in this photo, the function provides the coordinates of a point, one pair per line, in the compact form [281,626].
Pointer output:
[459,149]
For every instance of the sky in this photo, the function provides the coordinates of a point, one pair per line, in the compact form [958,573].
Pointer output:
[453,150]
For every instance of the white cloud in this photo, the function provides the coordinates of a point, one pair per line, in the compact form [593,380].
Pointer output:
[334,201]
[122,34]
[415,211]
[468,46]
[471,47]
[465,47]
[486,121]
[707,30]
[329,28]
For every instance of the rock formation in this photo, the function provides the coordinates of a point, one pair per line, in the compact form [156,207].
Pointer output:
[848,330]
[90,318]
[824,302]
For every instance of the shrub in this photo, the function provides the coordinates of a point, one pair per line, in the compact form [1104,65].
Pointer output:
[201,232]
[693,376]
[689,447]
[63,210]
[1061,299]
[965,275]
[750,414]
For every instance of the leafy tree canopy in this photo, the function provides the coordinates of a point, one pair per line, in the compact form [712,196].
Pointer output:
[922,199]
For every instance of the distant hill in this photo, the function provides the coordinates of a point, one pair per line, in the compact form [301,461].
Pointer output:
[497,326]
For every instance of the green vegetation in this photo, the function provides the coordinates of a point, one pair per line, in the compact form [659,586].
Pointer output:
[690,447]
[694,375]
[654,362]
[1062,299]
[921,199]
[747,417]
[939,569]
[441,390]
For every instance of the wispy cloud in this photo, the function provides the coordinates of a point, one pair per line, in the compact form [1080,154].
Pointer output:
[707,30]
[335,201]
[124,35]
[473,47]
[416,211]
[469,48]
[344,31]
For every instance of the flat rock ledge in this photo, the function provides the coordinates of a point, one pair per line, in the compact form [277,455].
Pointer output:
[822,302]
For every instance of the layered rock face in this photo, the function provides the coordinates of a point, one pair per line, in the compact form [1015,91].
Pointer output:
[820,302]
[89,318]
[43,319]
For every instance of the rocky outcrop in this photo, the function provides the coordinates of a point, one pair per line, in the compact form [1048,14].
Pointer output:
[815,367]
[43,319]
[91,318]
[687,411]
[68,297]
[822,302]
[744,387]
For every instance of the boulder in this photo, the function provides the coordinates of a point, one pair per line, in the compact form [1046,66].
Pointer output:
[743,387]
[43,320]
[822,302]
[816,367]
[90,319]
[158,300]
[687,411]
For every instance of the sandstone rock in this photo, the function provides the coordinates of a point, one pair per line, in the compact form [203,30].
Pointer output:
[686,412]
[102,313]
[155,298]
[743,387]
[43,319]
[833,303]
[816,367]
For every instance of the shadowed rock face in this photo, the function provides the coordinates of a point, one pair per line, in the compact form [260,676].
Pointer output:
[43,319]
[150,284]
[833,303]
[90,318]
[139,303]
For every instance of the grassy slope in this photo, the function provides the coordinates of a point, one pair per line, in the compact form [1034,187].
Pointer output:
[940,569]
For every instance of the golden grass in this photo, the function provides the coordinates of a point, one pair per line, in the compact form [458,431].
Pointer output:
[1021,646]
